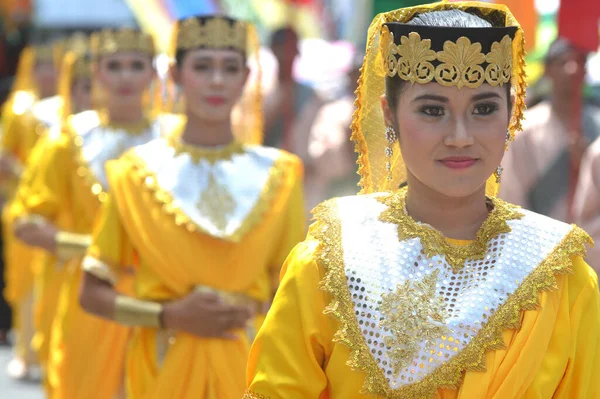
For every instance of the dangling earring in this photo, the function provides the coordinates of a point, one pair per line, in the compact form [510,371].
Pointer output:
[391,137]
[499,169]
[498,174]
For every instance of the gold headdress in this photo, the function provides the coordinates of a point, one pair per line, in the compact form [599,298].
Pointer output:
[110,41]
[461,57]
[220,32]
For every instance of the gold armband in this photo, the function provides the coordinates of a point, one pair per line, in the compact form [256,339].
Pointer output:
[71,245]
[135,312]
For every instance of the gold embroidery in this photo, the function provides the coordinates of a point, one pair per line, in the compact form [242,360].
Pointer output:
[414,55]
[412,314]
[110,41]
[434,242]
[460,64]
[327,229]
[252,395]
[215,32]
[163,197]
[132,128]
[216,202]
[208,154]
[499,70]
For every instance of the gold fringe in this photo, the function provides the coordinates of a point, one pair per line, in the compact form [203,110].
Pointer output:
[251,395]
[327,229]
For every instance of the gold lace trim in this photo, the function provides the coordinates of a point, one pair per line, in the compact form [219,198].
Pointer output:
[163,197]
[252,395]
[327,229]
[84,170]
[211,155]
[461,62]
[435,243]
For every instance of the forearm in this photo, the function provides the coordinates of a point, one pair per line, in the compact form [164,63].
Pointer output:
[99,297]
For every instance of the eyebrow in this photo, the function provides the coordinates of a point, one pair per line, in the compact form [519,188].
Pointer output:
[442,99]
[208,58]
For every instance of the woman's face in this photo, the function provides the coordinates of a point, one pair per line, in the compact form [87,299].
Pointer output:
[125,76]
[81,94]
[452,140]
[45,77]
[212,82]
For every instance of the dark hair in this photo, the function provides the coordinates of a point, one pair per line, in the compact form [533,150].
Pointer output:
[281,35]
[558,48]
[445,18]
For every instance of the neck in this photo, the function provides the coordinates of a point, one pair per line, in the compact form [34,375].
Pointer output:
[119,113]
[204,133]
[457,218]
[285,77]
[563,104]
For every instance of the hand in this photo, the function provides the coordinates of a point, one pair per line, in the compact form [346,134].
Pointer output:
[37,233]
[205,315]
[8,167]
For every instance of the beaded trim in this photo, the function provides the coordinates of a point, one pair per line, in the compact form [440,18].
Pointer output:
[329,256]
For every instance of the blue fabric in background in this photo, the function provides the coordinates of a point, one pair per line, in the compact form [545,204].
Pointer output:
[186,8]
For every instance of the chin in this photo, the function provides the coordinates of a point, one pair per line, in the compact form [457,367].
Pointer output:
[457,189]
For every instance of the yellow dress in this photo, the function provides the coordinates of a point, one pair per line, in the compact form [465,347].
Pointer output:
[179,210]
[84,351]
[25,119]
[353,288]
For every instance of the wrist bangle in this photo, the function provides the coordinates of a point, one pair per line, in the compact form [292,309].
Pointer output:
[135,312]
[71,245]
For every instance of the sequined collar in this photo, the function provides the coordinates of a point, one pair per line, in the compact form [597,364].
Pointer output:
[134,128]
[212,155]
[435,243]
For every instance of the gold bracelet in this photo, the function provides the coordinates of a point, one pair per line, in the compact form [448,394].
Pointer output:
[71,245]
[135,312]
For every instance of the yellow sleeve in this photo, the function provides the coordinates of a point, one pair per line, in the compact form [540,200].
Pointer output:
[111,251]
[581,379]
[291,349]
[48,189]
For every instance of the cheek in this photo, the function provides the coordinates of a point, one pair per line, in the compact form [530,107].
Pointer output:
[416,135]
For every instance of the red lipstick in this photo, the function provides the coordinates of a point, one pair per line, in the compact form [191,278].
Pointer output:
[215,100]
[458,162]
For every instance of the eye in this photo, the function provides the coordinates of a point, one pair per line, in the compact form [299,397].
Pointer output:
[485,109]
[138,66]
[113,66]
[432,110]
[201,66]
[232,69]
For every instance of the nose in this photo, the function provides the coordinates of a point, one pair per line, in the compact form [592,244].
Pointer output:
[217,77]
[459,136]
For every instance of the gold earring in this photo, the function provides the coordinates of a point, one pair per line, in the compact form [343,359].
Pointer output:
[391,137]
[498,174]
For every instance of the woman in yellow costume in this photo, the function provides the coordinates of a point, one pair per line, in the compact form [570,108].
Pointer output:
[86,353]
[434,290]
[31,108]
[74,91]
[206,219]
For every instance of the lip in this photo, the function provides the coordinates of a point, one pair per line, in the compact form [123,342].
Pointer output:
[125,91]
[215,100]
[458,162]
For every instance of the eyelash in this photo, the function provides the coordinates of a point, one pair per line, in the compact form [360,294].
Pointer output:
[491,108]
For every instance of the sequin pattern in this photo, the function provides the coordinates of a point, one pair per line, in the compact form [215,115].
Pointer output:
[365,261]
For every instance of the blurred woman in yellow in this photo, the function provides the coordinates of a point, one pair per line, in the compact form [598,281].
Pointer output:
[86,353]
[436,290]
[206,219]
[74,92]
[31,108]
